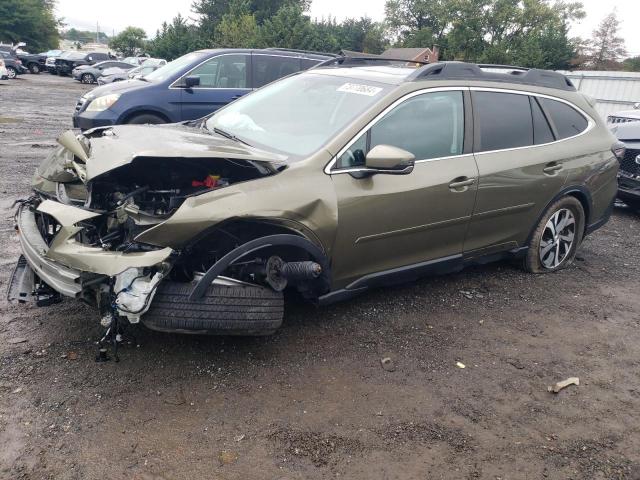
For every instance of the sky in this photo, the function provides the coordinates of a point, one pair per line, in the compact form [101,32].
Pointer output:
[115,15]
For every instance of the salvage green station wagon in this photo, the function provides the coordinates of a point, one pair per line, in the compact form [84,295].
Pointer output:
[332,181]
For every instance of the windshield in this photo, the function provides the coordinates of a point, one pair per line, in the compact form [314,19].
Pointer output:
[174,67]
[299,114]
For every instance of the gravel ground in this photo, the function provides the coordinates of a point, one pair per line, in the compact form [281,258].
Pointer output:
[313,401]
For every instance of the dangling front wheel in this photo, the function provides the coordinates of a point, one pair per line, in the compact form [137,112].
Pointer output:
[557,237]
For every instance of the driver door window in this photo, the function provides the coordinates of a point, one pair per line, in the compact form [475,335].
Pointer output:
[430,126]
[225,71]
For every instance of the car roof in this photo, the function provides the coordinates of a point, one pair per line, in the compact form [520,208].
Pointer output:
[391,75]
[396,72]
[281,52]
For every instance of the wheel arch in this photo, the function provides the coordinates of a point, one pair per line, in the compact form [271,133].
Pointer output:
[580,193]
[126,118]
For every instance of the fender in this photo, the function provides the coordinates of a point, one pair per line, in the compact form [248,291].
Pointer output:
[564,192]
[253,246]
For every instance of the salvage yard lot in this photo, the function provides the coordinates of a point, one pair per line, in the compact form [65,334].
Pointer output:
[313,401]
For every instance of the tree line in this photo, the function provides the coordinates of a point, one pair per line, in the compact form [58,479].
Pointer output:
[530,33]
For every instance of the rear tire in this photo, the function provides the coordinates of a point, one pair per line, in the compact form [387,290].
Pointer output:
[223,310]
[11,73]
[145,118]
[87,78]
[557,236]
[34,68]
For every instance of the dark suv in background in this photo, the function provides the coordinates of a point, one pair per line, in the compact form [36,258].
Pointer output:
[190,87]
[66,62]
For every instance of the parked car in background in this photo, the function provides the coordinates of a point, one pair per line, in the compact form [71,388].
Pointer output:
[12,64]
[136,61]
[69,60]
[36,63]
[4,74]
[134,73]
[625,125]
[50,62]
[190,87]
[91,73]
[329,182]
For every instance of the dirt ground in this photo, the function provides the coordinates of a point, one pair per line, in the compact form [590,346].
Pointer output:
[313,402]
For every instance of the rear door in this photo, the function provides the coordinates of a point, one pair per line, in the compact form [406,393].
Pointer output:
[520,170]
[267,68]
[223,78]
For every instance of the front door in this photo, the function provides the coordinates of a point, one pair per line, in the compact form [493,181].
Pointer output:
[222,79]
[389,221]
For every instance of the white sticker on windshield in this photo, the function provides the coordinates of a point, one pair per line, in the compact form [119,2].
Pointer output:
[360,89]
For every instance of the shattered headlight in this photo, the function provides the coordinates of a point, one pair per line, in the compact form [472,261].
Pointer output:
[100,104]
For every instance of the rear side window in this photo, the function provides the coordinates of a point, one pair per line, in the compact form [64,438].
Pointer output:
[268,68]
[541,130]
[503,120]
[224,71]
[567,120]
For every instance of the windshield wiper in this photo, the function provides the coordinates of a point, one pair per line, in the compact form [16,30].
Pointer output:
[228,135]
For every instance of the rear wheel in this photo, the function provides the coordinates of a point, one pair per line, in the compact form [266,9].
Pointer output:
[144,118]
[242,309]
[87,78]
[12,72]
[34,68]
[557,237]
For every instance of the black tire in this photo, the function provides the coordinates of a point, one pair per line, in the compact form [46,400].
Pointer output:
[53,72]
[534,262]
[12,73]
[87,78]
[34,68]
[145,118]
[224,310]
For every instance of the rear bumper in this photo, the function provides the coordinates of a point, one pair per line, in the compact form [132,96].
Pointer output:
[67,281]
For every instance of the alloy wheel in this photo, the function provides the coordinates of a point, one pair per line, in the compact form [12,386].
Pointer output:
[11,73]
[87,78]
[557,238]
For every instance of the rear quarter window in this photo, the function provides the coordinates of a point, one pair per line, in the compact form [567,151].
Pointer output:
[567,120]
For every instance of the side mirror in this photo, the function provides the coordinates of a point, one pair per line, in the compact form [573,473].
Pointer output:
[190,82]
[390,159]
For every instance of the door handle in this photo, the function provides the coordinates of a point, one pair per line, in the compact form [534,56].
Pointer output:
[235,97]
[551,168]
[462,182]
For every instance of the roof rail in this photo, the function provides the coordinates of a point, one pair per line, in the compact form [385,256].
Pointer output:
[472,71]
[296,50]
[345,61]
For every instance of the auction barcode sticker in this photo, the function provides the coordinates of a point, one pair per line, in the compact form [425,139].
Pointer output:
[360,89]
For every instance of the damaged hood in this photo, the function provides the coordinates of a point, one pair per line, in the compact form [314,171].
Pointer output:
[107,148]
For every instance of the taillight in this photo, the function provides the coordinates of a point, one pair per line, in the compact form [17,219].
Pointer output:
[1,63]
[19,62]
[619,149]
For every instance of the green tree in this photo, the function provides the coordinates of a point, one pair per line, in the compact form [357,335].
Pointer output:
[129,42]
[175,39]
[532,33]
[606,47]
[289,28]
[238,31]
[84,36]
[632,64]
[29,21]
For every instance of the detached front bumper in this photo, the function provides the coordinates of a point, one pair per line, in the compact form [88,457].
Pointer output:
[67,281]
[66,265]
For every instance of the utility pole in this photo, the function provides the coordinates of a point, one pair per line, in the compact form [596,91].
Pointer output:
[97,33]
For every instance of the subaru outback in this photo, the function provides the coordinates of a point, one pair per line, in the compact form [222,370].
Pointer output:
[330,182]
